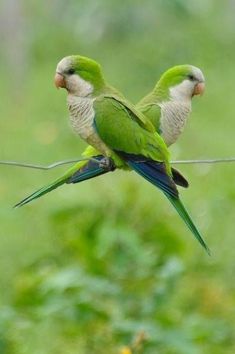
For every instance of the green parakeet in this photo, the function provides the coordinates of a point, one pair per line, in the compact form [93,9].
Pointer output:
[114,127]
[167,106]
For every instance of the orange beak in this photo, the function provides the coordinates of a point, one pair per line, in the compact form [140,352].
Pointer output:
[60,81]
[199,89]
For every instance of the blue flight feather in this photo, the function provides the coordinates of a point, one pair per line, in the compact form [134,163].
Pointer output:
[155,173]
[90,170]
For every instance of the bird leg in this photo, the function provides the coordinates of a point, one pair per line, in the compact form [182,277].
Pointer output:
[107,164]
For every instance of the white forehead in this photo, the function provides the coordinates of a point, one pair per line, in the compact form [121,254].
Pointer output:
[64,64]
[197,73]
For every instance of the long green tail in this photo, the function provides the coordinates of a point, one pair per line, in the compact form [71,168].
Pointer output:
[40,192]
[178,205]
[82,171]
[156,174]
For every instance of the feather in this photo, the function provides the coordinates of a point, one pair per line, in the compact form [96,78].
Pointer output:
[156,174]
[40,192]
[86,171]
[179,179]
[153,171]
[90,170]
[178,205]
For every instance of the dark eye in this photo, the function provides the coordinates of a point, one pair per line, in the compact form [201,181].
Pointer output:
[191,77]
[71,71]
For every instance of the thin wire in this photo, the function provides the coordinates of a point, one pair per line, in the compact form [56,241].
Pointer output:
[218,160]
[66,162]
[45,167]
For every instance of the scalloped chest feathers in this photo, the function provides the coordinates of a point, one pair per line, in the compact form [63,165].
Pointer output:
[173,119]
[82,121]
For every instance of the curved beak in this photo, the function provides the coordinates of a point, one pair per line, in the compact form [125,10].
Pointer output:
[59,81]
[199,89]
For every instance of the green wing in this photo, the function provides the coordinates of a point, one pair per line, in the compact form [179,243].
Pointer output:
[135,114]
[124,129]
[153,113]
[150,108]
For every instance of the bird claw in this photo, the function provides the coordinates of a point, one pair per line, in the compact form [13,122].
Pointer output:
[107,164]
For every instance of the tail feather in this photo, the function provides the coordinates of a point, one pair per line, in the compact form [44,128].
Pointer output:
[80,172]
[40,192]
[155,174]
[178,205]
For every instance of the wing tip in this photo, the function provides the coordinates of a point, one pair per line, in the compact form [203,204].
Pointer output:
[207,249]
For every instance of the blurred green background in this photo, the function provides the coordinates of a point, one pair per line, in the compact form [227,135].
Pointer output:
[89,267]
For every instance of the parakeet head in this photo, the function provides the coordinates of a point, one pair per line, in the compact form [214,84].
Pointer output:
[79,75]
[181,82]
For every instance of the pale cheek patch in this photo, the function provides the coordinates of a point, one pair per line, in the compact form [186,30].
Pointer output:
[183,91]
[76,85]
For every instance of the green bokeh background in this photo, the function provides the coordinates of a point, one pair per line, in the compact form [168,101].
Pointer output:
[89,267]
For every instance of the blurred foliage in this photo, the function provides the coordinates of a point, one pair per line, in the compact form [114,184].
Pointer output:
[90,267]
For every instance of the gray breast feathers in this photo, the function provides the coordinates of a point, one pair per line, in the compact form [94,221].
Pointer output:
[82,116]
[174,116]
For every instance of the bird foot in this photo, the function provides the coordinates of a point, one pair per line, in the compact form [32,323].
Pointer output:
[107,164]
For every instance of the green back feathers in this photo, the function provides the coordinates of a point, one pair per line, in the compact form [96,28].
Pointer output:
[150,108]
[121,127]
